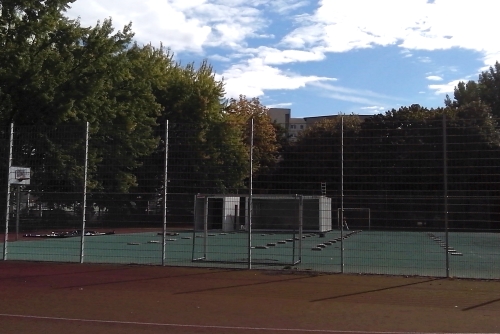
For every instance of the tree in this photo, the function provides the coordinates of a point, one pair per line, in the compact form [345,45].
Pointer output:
[199,136]
[240,113]
[206,153]
[485,90]
[315,157]
[31,33]
[464,93]
[403,157]
[56,74]
[34,37]
[489,87]
[399,163]
[473,151]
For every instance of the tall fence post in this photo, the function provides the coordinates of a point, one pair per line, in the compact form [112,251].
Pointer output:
[445,184]
[205,229]
[18,209]
[7,208]
[165,183]
[301,225]
[250,199]
[84,209]
[342,194]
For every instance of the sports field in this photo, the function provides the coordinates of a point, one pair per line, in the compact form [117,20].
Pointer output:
[471,255]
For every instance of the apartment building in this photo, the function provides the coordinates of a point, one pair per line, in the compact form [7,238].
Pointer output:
[283,117]
[294,126]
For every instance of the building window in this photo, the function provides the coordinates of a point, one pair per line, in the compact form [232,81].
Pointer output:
[301,127]
[292,126]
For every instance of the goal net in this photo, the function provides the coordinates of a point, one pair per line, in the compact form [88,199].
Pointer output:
[247,229]
[355,218]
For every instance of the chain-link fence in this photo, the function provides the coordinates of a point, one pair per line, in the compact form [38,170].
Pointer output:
[415,196]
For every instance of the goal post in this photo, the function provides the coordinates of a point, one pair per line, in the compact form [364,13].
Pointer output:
[224,232]
[355,217]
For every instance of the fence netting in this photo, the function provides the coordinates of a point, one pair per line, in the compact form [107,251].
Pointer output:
[416,196]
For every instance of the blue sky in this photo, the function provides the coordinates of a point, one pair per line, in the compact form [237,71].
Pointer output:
[319,57]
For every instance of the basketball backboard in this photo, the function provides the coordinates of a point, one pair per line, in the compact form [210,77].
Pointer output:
[19,175]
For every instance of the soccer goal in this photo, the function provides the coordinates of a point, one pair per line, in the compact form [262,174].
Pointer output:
[356,218]
[261,230]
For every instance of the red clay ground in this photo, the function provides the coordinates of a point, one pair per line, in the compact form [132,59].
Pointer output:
[72,298]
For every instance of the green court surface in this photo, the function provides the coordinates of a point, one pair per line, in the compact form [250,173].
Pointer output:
[471,255]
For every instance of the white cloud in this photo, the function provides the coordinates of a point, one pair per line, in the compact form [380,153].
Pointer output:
[406,53]
[351,98]
[359,96]
[424,60]
[434,78]
[306,36]
[254,76]
[340,26]
[333,26]
[280,105]
[219,58]
[350,91]
[287,6]
[181,25]
[445,88]
[373,108]
[273,56]
[230,26]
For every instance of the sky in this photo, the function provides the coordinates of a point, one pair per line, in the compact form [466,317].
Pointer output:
[319,57]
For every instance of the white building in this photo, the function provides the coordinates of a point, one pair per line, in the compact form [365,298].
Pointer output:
[282,116]
[294,126]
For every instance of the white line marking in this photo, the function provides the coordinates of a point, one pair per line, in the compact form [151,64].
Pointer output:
[210,326]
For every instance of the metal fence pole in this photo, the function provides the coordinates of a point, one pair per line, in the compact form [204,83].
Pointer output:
[205,229]
[301,224]
[165,183]
[7,208]
[18,209]
[445,176]
[250,199]
[84,209]
[195,215]
[342,195]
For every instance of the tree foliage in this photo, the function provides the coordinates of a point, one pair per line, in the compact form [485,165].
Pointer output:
[240,113]
[486,90]
[403,160]
[57,74]
[204,150]
[315,157]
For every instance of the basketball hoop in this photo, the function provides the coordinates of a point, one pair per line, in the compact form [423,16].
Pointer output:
[22,175]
